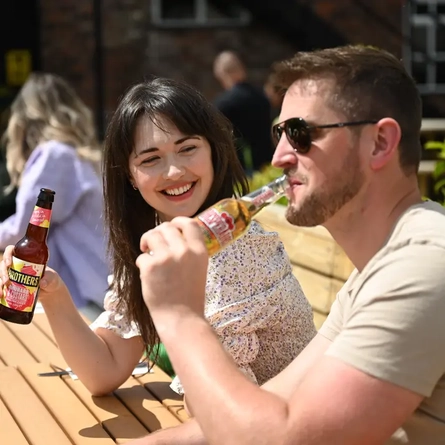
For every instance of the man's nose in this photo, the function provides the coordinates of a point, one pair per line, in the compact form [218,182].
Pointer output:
[284,155]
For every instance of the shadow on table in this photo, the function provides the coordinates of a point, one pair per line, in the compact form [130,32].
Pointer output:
[137,413]
[164,393]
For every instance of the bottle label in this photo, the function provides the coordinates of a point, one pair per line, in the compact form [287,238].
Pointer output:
[263,197]
[24,279]
[40,217]
[220,224]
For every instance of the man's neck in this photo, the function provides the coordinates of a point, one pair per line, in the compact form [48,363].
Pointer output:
[363,232]
[231,81]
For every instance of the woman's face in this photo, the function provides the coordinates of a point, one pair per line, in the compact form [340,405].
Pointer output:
[172,171]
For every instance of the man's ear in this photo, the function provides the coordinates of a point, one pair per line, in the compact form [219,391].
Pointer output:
[386,142]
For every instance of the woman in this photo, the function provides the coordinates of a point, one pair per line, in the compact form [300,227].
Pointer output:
[51,142]
[169,152]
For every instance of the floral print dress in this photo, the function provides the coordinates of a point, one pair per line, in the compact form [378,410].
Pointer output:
[253,302]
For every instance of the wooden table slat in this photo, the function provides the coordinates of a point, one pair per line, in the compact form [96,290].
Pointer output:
[38,344]
[10,433]
[41,321]
[151,412]
[73,416]
[29,413]
[12,351]
[57,410]
[116,419]
[158,383]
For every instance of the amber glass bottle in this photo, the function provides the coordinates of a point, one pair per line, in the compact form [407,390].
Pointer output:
[19,297]
[230,218]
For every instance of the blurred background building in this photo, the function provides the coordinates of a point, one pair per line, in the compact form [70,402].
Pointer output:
[103,46]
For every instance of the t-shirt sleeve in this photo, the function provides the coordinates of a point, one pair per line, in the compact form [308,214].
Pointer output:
[394,327]
[334,322]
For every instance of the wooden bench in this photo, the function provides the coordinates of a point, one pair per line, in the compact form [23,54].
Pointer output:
[319,263]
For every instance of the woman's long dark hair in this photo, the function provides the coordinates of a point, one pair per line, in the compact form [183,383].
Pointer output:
[127,214]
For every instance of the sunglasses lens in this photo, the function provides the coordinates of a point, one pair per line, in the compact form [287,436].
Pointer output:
[277,132]
[298,135]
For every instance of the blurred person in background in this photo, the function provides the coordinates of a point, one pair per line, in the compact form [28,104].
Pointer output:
[7,193]
[51,142]
[275,96]
[248,108]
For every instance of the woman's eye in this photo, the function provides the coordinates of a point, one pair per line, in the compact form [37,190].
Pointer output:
[150,160]
[188,149]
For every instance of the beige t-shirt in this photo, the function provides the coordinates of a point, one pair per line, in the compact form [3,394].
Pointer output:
[389,320]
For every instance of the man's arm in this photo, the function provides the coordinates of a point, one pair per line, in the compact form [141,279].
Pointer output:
[287,381]
[186,434]
[334,403]
[283,385]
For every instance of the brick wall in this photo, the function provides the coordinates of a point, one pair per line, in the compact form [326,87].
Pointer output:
[67,42]
[133,48]
[189,54]
[378,22]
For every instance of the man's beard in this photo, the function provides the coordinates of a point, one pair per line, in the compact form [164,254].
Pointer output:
[324,203]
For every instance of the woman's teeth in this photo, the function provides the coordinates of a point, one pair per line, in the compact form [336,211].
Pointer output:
[179,191]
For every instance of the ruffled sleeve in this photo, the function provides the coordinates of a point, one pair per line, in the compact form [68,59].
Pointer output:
[113,320]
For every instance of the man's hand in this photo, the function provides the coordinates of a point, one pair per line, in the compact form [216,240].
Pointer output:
[173,269]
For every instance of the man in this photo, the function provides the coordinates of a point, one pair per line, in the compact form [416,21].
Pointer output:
[374,374]
[247,107]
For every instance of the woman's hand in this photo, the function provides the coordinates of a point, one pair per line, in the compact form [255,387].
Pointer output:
[50,284]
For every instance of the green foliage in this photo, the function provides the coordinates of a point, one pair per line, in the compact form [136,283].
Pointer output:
[263,177]
[439,169]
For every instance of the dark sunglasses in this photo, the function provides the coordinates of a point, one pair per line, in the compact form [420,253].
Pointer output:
[298,132]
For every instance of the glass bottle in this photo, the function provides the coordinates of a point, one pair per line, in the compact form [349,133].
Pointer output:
[230,218]
[18,299]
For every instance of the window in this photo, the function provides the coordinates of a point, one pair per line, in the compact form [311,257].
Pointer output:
[196,13]
[424,47]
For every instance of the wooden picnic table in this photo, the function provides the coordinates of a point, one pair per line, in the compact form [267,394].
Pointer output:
[58,410]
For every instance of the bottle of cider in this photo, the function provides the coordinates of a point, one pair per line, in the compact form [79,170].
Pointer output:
[230,218]
[18,299]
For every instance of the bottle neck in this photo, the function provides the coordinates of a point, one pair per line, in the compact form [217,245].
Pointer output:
[37,233]
[266,195]
[39,223]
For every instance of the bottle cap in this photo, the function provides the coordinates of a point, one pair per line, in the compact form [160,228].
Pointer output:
[46,195]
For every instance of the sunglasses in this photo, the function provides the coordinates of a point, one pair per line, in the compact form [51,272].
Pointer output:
[298,132]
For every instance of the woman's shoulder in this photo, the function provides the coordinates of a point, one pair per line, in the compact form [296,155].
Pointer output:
[258,238]
[52,151]
[258,249]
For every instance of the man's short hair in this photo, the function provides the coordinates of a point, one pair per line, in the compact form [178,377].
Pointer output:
[368,84]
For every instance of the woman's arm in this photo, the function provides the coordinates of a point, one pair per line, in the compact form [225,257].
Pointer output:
[101,359]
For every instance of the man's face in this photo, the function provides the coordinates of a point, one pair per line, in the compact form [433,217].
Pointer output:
[329,175]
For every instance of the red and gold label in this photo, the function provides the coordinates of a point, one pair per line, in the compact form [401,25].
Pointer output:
[21,292]
[40,217]
[220,224]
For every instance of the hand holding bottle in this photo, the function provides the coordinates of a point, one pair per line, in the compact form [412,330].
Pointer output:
[30,255]
[50,284]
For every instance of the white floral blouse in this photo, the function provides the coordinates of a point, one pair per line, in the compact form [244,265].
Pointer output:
[253,302]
